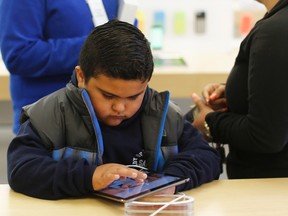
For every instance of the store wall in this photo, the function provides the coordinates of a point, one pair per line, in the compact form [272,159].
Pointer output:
[193,26]
[205,33]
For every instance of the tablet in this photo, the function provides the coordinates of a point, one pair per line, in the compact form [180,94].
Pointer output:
[126,190]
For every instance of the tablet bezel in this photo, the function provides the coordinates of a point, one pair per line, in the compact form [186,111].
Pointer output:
[177,180]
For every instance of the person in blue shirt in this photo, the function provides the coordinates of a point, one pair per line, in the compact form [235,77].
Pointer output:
[81,138]
[40,41]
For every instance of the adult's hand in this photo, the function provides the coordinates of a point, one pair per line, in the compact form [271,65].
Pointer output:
[213,94]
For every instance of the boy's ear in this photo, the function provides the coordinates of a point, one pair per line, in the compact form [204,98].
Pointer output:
[80,77]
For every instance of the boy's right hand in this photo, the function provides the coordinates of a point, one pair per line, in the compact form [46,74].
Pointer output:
[105,174]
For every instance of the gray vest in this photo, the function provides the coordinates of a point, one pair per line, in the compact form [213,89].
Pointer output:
[64,123]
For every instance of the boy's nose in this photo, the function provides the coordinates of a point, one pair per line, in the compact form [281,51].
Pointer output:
[118,106]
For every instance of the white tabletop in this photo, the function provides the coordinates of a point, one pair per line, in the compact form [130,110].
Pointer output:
[263,197]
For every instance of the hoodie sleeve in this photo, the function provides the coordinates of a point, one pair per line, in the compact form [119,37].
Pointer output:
[196,159]
[33,171]
[38,38]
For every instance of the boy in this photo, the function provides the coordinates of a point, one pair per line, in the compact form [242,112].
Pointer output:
[80,138]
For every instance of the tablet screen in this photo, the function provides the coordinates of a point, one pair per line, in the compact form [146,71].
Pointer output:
[127,189]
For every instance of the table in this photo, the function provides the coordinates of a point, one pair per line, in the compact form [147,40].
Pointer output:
[253,197]
[4,82]
[181,81]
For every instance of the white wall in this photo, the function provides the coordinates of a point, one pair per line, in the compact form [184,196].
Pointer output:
[220,23]
[217,42]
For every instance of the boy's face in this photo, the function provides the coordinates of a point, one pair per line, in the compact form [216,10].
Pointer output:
[114,100]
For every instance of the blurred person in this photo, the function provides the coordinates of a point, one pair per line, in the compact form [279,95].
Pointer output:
[249,112]
[40,42]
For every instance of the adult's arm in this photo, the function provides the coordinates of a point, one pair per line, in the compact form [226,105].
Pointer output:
[39,39]
[265,127]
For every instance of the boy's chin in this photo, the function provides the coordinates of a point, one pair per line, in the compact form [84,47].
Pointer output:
[113,122]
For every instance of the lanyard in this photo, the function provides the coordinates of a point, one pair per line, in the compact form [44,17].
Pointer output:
[98,12]
[127,10]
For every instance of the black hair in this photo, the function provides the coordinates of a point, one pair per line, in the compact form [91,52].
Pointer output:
[117,49]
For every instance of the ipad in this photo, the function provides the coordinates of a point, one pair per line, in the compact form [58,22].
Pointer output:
[126,190]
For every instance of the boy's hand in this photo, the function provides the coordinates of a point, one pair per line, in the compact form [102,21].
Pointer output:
[105,174]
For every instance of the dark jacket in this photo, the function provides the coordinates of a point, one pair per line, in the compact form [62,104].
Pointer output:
[256,125]
[60,144]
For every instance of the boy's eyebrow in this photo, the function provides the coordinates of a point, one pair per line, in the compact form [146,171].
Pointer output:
[105,92]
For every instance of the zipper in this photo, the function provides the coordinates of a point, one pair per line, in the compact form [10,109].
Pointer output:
[159,159]
[96,127]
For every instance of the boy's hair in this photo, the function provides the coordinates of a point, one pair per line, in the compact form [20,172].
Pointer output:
[119,50]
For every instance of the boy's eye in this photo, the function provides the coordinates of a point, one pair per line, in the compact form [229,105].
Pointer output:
[108,96]
[133,97]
